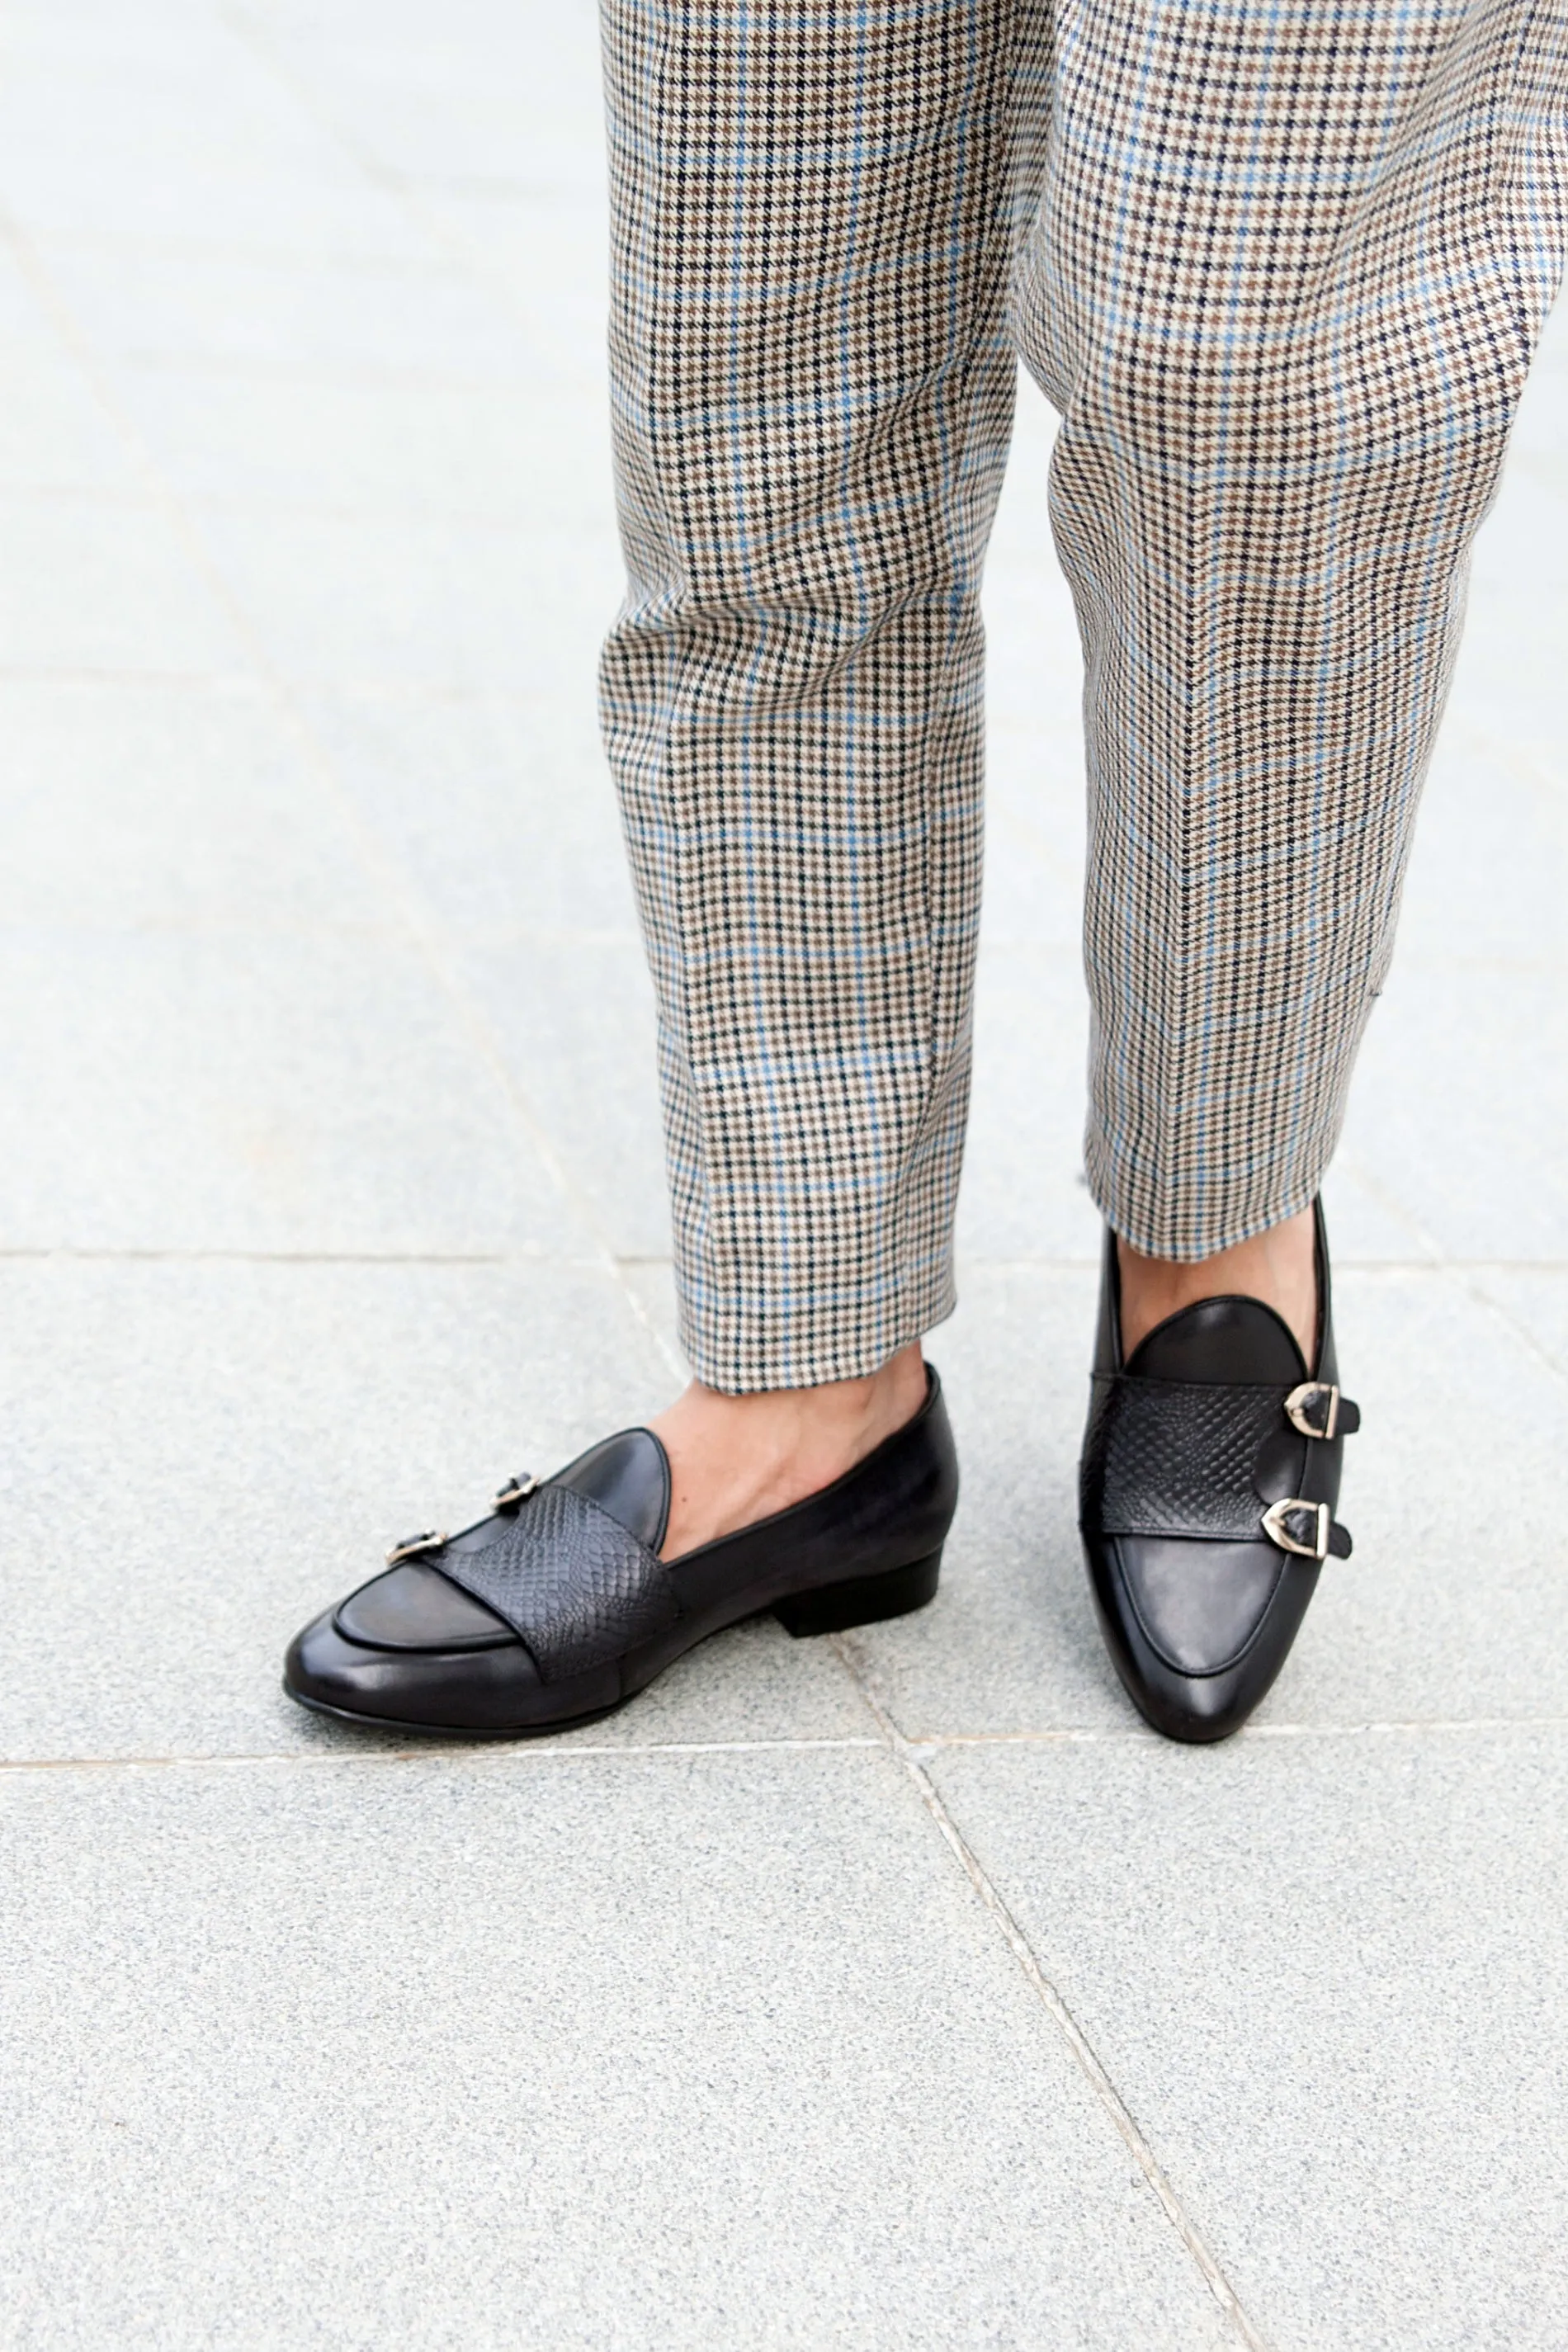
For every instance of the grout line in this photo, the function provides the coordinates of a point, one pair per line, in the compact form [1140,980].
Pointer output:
[434,1751]
[70,1252]
[1134,1738]
[1067,2025]
[456,1748]
[1496,1311]
[972,1260]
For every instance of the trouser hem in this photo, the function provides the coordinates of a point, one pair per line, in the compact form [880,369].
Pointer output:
[740,1348]
[1184,1230]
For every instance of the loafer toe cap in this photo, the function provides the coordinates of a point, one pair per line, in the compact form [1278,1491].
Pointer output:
[430,1690]
[1197,1631]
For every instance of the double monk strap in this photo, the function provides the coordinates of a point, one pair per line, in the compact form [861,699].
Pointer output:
[1212,1461]
[1207,1490]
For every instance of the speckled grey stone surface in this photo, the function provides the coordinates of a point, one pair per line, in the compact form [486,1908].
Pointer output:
[1328,1975]
[332,1195]
[525,2051]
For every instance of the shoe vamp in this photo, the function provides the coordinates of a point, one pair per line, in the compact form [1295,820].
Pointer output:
[414,1607]
[1199,1604]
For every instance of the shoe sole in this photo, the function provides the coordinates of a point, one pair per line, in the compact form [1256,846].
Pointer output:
[830,1608]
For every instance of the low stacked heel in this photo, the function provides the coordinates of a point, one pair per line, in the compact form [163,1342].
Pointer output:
[862,1600]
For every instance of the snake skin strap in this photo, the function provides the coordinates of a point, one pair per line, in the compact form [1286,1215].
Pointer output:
[571,1582]
[1189,1458]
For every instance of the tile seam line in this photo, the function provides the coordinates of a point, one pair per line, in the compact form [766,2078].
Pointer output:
[440,1751]
[1078,2044]
[85,1255]
[1495,1310]
[975,1261]
[1087,1736]
[525,1751]
[405,902]
[409,190]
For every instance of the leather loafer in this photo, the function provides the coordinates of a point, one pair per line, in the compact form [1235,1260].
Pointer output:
[1207,1487]
[556,1608]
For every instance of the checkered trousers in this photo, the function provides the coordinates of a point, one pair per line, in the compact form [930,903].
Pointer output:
[1280,268]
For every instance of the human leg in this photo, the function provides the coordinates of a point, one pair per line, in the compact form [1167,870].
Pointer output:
[1284,286]
[812,390]
[813,394]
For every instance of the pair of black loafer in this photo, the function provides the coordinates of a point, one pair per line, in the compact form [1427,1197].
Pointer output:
[1210,1472]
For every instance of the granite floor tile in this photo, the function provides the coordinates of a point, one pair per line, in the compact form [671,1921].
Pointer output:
[55,432]
[1033,875]
[1489,872]
[541,255]
[94,585]
[1024,1194]
[541,2051]
[1327,1977]
[422,604]
[200,803]
[575,1020]
[145,302]
[356,445]
[1509,673]
[289,1088]
[1535,1301]
[520,106]
[25,323]
[90,141]
[1460,1101]
[502,814]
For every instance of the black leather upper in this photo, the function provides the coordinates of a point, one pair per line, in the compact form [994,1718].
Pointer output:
[1187,1446]
[557,1607]
[571,1582]
[1186,1457]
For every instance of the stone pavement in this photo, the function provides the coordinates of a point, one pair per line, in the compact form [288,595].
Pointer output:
[888,1993]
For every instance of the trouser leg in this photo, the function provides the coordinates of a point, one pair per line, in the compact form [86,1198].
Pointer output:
[812,388]
[1284,285]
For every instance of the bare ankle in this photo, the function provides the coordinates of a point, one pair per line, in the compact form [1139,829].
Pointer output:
[1279,1266]
[737,1459]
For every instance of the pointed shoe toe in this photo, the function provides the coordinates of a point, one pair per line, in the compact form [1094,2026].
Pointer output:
[1207,1486]
[557,1608]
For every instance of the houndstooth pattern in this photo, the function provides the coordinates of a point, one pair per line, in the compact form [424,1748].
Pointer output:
[1281,269]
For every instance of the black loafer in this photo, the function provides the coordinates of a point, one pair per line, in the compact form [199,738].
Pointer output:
[1210,1472]
[557,1608]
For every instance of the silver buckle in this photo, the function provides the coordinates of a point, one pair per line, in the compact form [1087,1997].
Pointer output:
[1274,1527]
[1299,1402]
[412,1546]
[515,1491]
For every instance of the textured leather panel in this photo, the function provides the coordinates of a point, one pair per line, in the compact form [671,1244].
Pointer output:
[1180,1457]
[576,1586]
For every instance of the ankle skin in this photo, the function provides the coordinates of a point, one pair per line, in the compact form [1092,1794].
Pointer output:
[737,1459]
[1277,1266]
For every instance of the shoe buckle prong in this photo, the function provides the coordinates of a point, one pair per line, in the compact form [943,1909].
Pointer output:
[412,1546]
[1303,1409]
[515,1491]
[1276,1528]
